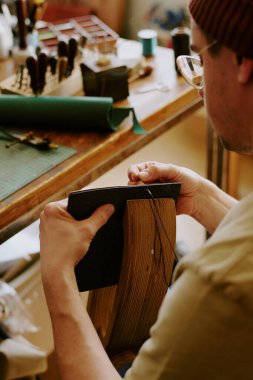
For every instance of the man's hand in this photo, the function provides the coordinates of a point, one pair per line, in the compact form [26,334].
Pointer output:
[63,240]
[152,171]
[198,197]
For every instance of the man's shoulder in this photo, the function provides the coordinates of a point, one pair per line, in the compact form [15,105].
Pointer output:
[226,259]
[240,218]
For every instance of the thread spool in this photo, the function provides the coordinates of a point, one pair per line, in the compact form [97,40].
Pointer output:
[148,39]
[181,43]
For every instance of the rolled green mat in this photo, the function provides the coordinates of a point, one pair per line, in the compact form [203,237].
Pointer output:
[81,112]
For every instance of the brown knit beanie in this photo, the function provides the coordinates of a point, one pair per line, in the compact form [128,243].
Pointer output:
[228,21]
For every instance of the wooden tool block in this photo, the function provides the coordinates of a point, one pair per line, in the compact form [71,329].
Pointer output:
[67,87]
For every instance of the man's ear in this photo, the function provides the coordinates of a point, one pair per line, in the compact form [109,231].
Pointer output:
[245,70]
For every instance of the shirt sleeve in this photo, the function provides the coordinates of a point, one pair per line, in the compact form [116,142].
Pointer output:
[199,334]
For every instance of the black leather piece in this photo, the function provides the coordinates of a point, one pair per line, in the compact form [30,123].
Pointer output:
[107,83]
[102,264]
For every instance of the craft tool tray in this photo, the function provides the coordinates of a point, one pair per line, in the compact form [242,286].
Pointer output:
[94,38]
[92,30]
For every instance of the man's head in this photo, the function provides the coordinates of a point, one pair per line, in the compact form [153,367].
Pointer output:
[227,21]
[228,75]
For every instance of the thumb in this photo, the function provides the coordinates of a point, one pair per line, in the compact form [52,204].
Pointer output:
[98,218]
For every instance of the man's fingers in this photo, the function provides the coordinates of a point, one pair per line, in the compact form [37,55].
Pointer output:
[133,173]
[140,171]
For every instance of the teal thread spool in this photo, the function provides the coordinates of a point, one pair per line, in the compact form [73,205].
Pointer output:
[148,39]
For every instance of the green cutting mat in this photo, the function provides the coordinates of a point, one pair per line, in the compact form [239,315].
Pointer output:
[21,164]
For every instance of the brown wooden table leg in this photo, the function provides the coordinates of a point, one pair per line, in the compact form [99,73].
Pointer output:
[222,165]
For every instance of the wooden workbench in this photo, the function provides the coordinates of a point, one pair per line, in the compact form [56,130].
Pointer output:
[98,152]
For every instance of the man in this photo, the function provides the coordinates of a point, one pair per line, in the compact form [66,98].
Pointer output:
[204,329]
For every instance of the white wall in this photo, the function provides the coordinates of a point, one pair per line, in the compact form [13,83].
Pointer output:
[137,10]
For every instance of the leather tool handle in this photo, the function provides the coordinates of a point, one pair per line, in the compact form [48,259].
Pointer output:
[32,67]
[62,67]
[72,52]
[42,69]
[62,49]
[52,61]
[21,10]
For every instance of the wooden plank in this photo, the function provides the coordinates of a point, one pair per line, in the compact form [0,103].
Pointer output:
[148,259]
